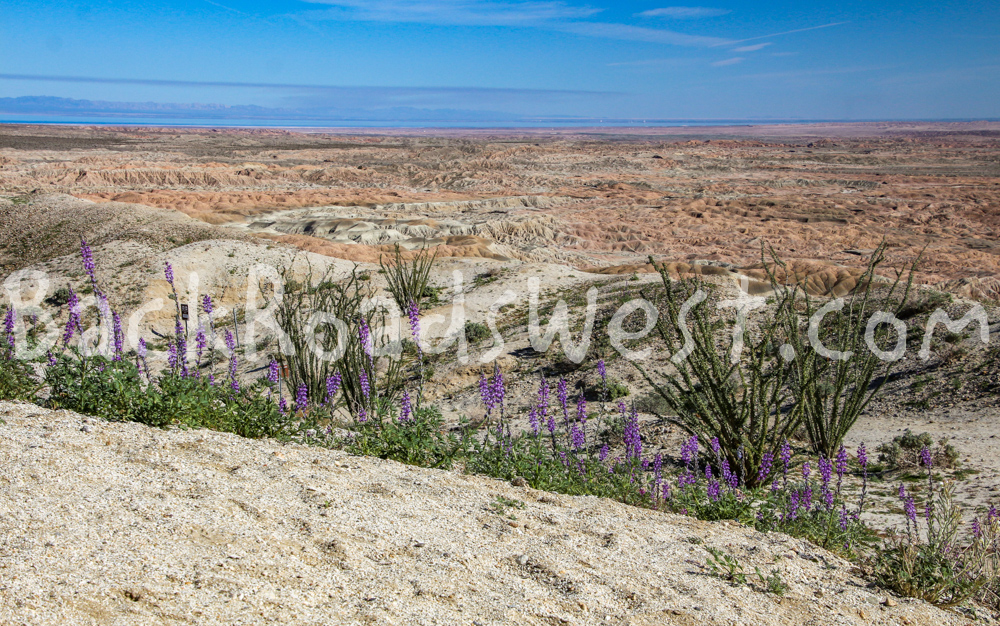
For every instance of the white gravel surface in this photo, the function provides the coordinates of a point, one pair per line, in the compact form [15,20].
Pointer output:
[117,523]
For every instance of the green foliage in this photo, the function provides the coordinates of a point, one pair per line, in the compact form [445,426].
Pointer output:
[476,331]
[17,381]
[747,404]
[833,393]
[304,315]
[725,566]
[617,389]
[942,570]
[95,385]
[903,452]
[115,390]
[407,280]
[502,506]
[419,441]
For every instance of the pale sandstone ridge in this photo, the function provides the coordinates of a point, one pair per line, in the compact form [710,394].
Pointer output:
[117,523]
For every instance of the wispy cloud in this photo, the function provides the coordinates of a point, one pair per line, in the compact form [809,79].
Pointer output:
[638,33]
[732,61]
[682,13]
[790,32]
[753,48]
[374,96]
[453,12]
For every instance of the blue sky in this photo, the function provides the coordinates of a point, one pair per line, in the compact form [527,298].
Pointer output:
[721,60]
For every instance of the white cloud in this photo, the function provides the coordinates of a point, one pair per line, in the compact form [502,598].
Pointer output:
[453,12]
[682,13]
[753,48]
[732,61]
[638,33]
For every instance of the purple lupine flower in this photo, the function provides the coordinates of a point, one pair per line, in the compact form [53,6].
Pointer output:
[910,508]
[9,321]
[807,495]
[405,408]
[73,323]
[206,304]
[826,474]
[282,406]
[140,351]
[689,452]
[562,390]
[992,515]
[365,335]
[633,440]
[332,386]
[786,457]
[841,462]
[200,342]
[716,447]
[233,363]
[843,517]
[713,488]
[862,456]
[366,388]
[766,462]
[172,356]
[602,371]
[272,372]
[976,528]
[550,425]
[168,273]
[577,437]
[413,312]
[729,476]
[486,393]
[88,265]
[497,389]
[581,409]
[533,421]
[362,415]
[302,397]
[181,345]
[603,454]
[806,470]
[926,459]
[118,335]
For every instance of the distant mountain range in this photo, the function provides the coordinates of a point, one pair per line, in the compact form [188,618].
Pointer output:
[53,107]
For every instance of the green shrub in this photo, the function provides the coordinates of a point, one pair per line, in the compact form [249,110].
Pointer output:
[476,331]
[903,452]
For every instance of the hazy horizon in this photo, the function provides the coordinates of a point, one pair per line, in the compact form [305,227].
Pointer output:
[510,61]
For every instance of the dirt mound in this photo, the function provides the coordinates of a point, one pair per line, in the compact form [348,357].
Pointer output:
[51,225]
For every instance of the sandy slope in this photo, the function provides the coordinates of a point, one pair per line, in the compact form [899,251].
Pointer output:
[110,523]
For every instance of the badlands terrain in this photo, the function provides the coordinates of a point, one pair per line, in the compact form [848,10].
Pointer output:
[572,209]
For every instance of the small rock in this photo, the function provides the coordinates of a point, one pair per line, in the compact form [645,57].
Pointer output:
[419,544]
[890,602]
[519,481]
[86,428]
[522,559]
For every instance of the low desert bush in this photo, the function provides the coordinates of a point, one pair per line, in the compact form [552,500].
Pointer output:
[904,451]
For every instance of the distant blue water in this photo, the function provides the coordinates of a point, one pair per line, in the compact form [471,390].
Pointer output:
[8,118]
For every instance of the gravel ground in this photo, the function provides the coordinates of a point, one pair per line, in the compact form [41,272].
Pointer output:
[117,523]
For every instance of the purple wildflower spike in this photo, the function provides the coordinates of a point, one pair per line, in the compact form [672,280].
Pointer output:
[206,304]
[333,386]
[405,408]
[366,388]
[766,462]
[926,458]
[272,372]
[632,438]
[9,321]
[862,456]
[118,336]
[533,421]
[413,312]
[302,397]
[168,272]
